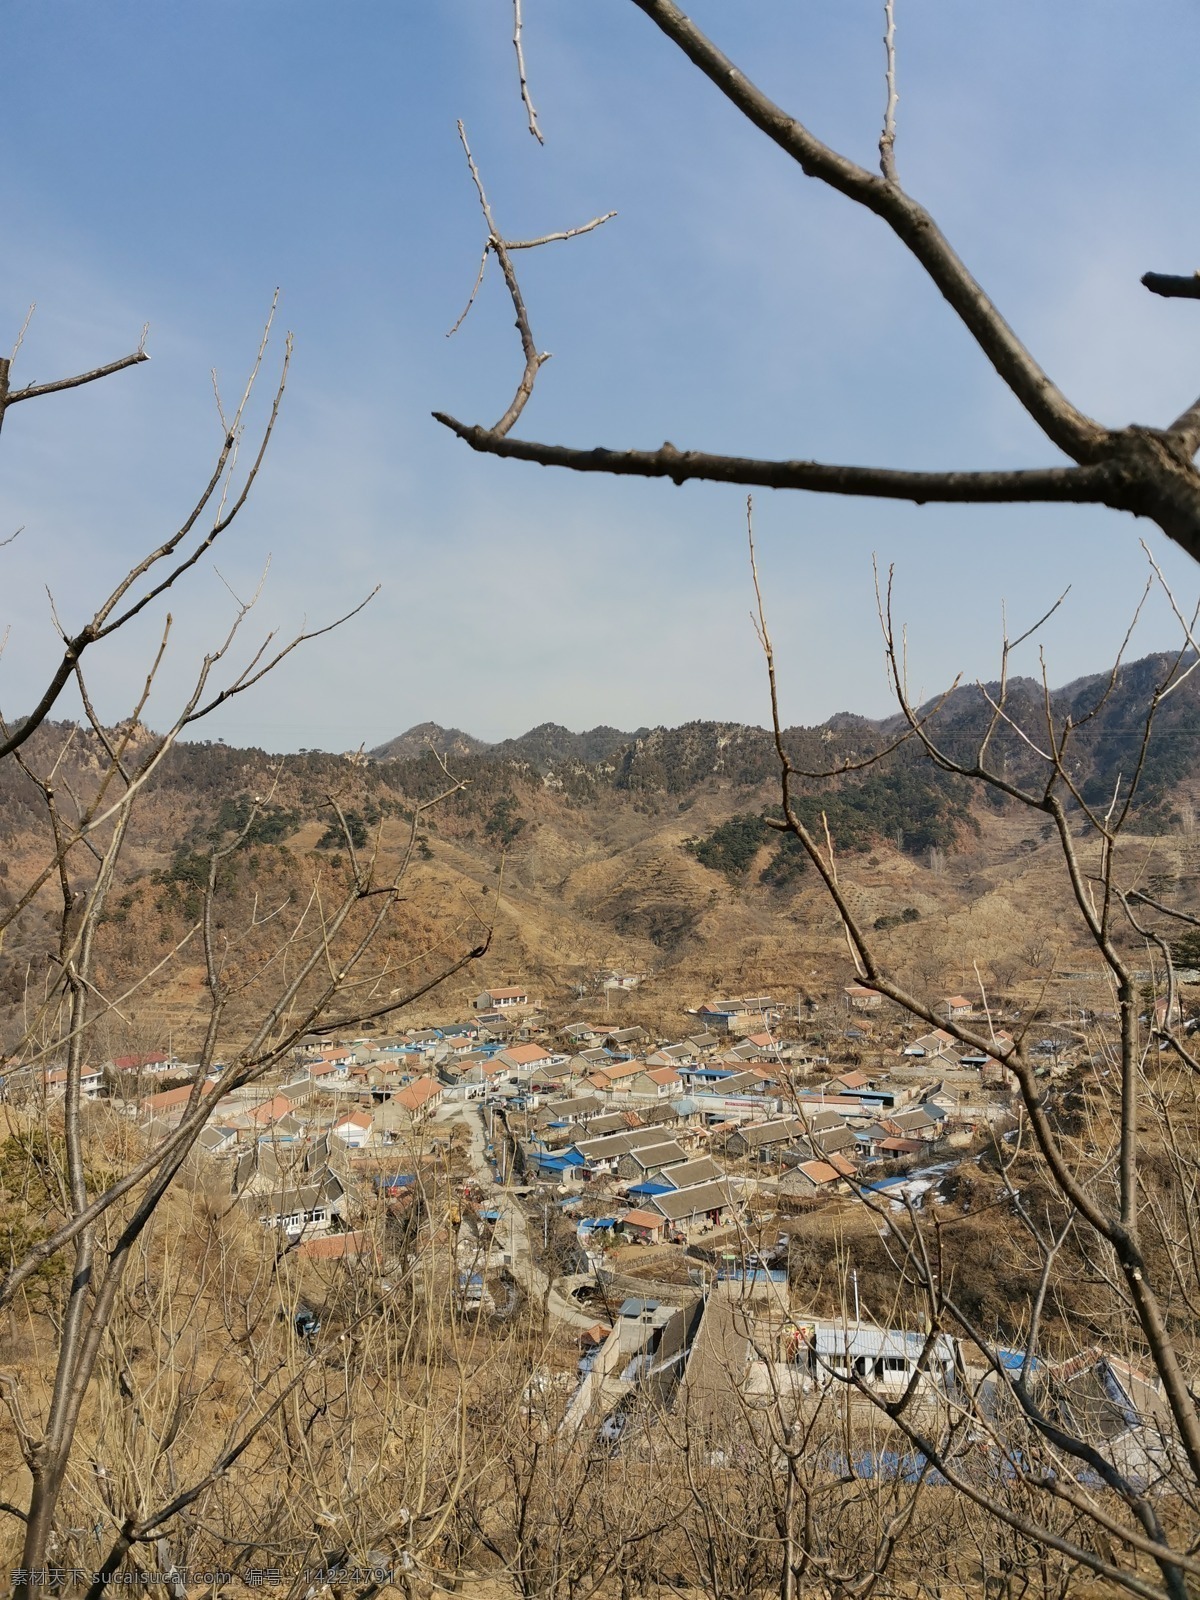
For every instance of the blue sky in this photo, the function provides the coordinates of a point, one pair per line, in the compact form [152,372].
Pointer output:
[172,164]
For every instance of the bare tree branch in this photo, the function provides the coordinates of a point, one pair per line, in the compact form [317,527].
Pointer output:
[1069,485]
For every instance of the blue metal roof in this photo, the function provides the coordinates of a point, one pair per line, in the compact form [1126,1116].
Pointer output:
[1014,1360]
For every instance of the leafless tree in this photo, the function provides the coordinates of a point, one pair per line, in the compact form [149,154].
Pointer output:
[301,965]
[1101,1196]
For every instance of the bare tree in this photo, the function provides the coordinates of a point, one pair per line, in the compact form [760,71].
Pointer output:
[1101,1193]
[291,968]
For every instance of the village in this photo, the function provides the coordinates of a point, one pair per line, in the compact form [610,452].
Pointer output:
[669,1139]
[640,1190]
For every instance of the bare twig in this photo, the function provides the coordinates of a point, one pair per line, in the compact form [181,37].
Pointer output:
[474,291]
[24,330]
[525,97]
[887,140]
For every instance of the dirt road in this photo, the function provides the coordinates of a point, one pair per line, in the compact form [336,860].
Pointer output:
[512,1231]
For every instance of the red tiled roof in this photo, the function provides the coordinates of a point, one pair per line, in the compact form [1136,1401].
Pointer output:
[643,1219]
[524,1055]
[417,1094]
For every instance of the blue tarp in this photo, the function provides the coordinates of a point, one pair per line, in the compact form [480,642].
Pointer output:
[752,1275]
[1014,1360]
[651,1188]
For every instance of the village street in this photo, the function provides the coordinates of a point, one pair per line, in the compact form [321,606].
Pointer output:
[512,1231]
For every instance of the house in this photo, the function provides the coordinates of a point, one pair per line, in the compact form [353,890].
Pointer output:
[409,1107]
[703,1206]
[524,1057]
[460,1030]
[648,1226]
[340,1059]
[617,1078]
[1167,1013]
[284,1130]
[750,1080]
[324,1073]
[737,1056]
[650,1158]
[268,1113]
[425,1042]
[937,1048]
[918,1122]
[610,1122]
[512,999]
[764,1140]
[600,1156]
[625,1040]
[810,1178]
[825,1145]
[664,1113]
[704,1043]
[91,1081]
[217,1140]
[672,1055]
[896,1149]
[483,1069]
[686,1174]
[885,1358]
[266,1168]
[743,1015]
[1118,1409]
[762,1042]
[156,1062]
[354,1129]
[859,997]
[169,1106]
[559,1117]
[583,1033]
[312,1208]
[955,1006]
[659,1082]
[851,1082]
[622,981]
